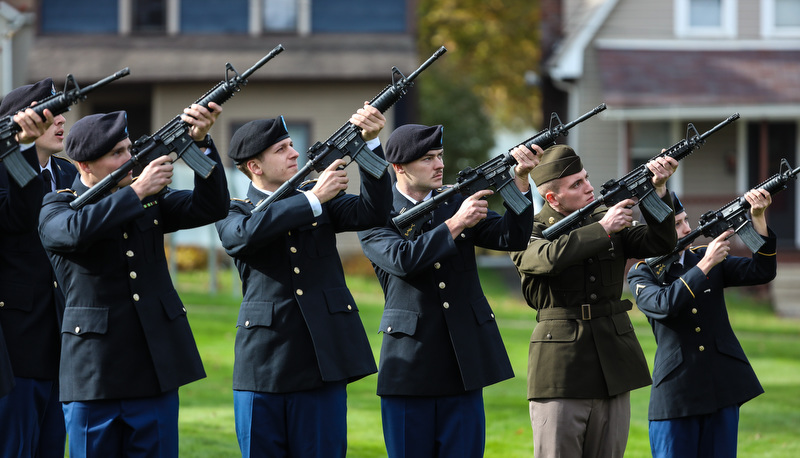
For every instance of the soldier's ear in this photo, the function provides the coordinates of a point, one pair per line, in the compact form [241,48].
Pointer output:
[398,169]
[551,198]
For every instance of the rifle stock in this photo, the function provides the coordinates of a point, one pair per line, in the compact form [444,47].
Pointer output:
[174,138]
[637,184]
[347,141]
[58,103]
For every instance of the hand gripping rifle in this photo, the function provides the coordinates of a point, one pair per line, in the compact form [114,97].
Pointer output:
[174,138]
[636,184]
[733,215]
[347,140]
[495,173]
[58,103]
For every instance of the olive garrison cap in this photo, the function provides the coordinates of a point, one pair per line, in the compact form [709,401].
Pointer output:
[256,136]
[95,135]
[557,161]
[412,141]
[24,96]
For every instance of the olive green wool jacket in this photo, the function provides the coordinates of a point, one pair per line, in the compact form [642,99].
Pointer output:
[584,345]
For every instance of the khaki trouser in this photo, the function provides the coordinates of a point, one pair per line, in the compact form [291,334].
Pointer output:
[587,428]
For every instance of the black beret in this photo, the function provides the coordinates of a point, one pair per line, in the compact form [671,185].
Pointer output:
[412,141]
[24,96]
[95,135]
[677,204]
[557,161]
[256,136]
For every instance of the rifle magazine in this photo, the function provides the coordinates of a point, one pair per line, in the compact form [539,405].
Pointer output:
[655,206]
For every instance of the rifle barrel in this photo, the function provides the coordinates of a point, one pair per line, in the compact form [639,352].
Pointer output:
[275,51]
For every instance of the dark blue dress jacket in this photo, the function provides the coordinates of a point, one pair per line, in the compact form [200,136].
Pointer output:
[700,367]
[439,333]
[125,333]
[298,324]
[31,302]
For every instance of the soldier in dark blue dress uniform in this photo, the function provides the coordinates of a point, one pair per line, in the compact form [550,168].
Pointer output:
[299,337]
[126,342]
[701,375]
[441,344]
[31,302]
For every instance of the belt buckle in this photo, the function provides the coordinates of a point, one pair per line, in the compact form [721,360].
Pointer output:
[586,312]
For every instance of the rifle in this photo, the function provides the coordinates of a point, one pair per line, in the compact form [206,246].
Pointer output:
[731,215]
[57,103]
[492,173]
[347,140]
[636,184]
[174,137]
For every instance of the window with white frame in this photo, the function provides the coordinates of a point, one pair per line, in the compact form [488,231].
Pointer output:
[780,18]
[280,16]
[705,18]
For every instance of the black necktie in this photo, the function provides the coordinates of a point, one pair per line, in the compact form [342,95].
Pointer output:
[48,180]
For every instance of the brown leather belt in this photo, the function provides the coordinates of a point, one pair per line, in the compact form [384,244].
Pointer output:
[585,312]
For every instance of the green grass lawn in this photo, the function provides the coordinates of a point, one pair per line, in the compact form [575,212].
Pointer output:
[768,426]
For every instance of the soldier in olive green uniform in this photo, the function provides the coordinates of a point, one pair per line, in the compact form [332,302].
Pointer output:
[584,357]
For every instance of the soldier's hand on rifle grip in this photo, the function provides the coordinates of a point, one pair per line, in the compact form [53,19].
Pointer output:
[527,159]
[618,217]
[662,167]
[155,177]
[473,210]
[201,119]
[717,251]
[331,182]
[32,125]
[370,120]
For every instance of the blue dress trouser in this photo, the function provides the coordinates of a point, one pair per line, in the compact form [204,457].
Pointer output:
[699,436]
[129,428]
[434,426]
[31,421]
[304,424]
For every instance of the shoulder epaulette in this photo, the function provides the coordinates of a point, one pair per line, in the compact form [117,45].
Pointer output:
[695,248]
[67,190]
[235,199]
[636,266]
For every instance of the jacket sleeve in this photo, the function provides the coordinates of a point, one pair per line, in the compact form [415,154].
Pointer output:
[658,301]
[241,231]
[19,207]
[369,209]
[393,253]
[205,204]
[505,233]
[63,229]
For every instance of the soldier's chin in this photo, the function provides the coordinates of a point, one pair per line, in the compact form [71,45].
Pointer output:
[125,182]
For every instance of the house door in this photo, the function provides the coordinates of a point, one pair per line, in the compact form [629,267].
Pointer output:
[767,144]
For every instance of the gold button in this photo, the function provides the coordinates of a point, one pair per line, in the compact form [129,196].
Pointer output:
[136,297]
[694,311]
[314,224]
[125,235]
[389,329]
[77,329]
[349,307]
[297,270]
[491,315]
[247,324]
[133,275]
[155,221]
[55,284]
[184,309]
[293,249]
[442,285]
[549,336]
[2,304]
[299,292]
[446,305]
[463,236]
[702,348]
[129,253]
[437,266]
[697,329]
[289,233]
[592,278]
[593,296]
